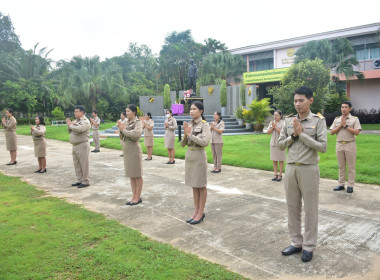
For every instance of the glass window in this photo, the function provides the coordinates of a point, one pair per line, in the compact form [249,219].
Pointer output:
[374,50]
[264,64]
[361,52]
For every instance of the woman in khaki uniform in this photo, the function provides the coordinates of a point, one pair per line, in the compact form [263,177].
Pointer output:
[148,125]
[38,134]
[9,125]
[217,129]
[196,137]
[131,133]
[169,138]
[276,155]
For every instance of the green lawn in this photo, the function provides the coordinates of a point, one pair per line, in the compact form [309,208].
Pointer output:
[48,238]
[252,151]
[371,126]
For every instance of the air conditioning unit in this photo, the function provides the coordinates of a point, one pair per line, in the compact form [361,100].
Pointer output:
[376,64]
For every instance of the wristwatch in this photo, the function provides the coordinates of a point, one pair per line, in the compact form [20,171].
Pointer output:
[294,138]
[346,126]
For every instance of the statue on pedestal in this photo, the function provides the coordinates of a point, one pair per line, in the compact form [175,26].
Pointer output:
[192,77]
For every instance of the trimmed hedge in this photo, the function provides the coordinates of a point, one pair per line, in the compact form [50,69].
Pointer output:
[365,116]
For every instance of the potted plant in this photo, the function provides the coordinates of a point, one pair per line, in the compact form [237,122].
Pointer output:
[223,97]
[248,118]
[239,115]
[260,110]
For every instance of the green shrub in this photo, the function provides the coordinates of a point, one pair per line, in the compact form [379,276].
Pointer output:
[223,94]
[58,114]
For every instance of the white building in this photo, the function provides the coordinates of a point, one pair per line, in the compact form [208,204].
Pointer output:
[267,63]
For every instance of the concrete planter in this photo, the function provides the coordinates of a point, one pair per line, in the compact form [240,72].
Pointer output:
[240,121]
[258,127]
[223,110]
[248,125]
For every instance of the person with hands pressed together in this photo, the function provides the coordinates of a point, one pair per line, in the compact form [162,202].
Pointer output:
[9,123]
[148,125]
[130,134]
[304,135]
[346,128]
[276,155]
[79,130]
[196,137]
[38,133]
[95,124]
[217,129]
[170,125]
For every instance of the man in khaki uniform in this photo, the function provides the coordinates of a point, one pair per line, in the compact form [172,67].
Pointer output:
[79,131]
[95,123]
[346,128]
[304,135]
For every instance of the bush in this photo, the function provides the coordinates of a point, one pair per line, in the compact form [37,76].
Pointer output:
[242,94]
[167,96]
[365,116]
[260,110]
[223,94]
[58,114]
[334,101]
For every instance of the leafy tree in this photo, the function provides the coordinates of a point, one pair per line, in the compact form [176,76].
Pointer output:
[9,41]
[222,65]
[212,46]
[167,96]
[310,73]
[138,85]
[19,95]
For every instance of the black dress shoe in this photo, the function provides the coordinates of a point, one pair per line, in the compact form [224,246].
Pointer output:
[339,188]
[128,203]
[135,203]
[169,162]
[43,171]
[350,189]
[194,222]
[291,250]
[279,178]
[218,171]
[306,256]
[76,184]
[83,186]
[94,151]
[38,171]
[189,220]
[274,178]
[12,163]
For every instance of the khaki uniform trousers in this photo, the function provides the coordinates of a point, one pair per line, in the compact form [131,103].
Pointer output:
[217,149]
[346,154]
[302,183]
[95,138]
[81,154]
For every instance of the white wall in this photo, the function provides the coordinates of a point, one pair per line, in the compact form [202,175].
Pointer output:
[365,94]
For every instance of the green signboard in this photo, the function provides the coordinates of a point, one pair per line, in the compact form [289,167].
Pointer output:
[257,77]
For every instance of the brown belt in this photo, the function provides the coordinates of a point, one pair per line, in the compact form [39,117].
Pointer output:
[345,142]
[195,148]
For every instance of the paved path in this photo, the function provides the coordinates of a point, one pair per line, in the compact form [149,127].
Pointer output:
[246,223]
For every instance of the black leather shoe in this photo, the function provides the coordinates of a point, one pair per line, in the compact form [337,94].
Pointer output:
[291,250]
[279,178]
[128,203]
[275,178]
[135,203]
[194,222]
[37,171]
[94,151]
[14,163]
[350,189]
[43,171]
[339,188]
[169,162]
[217,171]
[76,184]
[83,186]
[189,220]
[306,256]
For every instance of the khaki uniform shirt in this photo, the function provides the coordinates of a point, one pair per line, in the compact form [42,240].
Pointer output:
[217,138]
[10,124]
[312,140]
[79,131]
[149,132]
[344,134]
[38,133]
[275,134]
[172,124]
[132,130]
[200,134]
[97,121]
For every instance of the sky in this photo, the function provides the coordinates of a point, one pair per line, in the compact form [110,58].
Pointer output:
[105,28]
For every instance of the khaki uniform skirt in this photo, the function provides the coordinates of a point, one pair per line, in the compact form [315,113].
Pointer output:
[11,140]
[148,141]
[276,154]
[132,159]
[169,139]
[39,148]
[196,168]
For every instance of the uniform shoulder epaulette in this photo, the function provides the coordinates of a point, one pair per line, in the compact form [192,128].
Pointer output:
[204,121]
[290,115]
[320,116]
[354,117]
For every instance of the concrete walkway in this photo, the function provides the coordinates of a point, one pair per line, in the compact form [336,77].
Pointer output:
[245,227]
